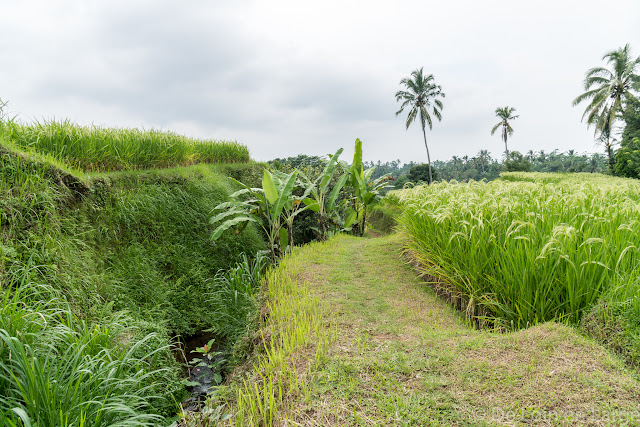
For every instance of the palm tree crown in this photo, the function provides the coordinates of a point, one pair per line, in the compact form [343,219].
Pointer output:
[505,114]
[609,89]
[422,95]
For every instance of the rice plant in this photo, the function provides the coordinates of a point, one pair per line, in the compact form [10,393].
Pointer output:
[95,148]
[518,253]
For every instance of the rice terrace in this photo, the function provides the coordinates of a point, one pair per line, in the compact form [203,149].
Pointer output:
[153,278]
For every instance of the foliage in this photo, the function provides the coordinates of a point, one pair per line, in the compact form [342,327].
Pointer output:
[628,159]
[268,206]
[516,162]
[57,370]
[615,320]
[421,95]
[126,242]
[461,169]
[379,327]
[384,214]
[420,173]
[608,90]
[366,191]
[294,318]
[300,162]
[519,253]
[232,298]
[322,198]
[628,156]
[505,114]
[104,149]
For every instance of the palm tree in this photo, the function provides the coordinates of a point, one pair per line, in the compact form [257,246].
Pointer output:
[609,90]
[608,141]
[421,95]
[505,114]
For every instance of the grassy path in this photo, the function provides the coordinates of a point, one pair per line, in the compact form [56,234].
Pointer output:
[401,356]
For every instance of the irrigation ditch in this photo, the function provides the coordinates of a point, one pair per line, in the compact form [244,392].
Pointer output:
[204,357]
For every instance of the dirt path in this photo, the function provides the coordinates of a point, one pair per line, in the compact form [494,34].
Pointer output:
[403,357]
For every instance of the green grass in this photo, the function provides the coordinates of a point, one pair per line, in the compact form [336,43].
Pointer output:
[94,149]
[58,370]
[384,215]
[383,349]
[519,253]
[127,256]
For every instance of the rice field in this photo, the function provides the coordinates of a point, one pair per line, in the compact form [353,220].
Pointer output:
[527,248]
[93,149]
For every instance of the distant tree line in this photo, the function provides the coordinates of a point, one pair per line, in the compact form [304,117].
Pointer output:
[465,168]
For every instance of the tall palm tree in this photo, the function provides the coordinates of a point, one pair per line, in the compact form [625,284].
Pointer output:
[608,90]
[505,114]
[421,95]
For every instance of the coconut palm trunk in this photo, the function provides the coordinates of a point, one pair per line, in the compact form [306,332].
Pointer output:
[504,138]
[424,134]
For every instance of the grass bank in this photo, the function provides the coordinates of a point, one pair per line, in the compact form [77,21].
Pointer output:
[112,265]
[385,350]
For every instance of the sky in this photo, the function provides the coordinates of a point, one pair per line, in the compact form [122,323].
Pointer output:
[289,77]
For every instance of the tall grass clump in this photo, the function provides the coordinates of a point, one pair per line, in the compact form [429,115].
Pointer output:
[518,253]
[56,370]
[95,148]
[233,297]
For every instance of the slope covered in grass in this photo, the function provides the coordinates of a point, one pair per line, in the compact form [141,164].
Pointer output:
[383,349]
[122,260]
[106,149]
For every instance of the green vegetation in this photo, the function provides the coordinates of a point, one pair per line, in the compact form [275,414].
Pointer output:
[292,341]
[513,254]
[97,273]
[276,204]
[608,91]
[516,162]
[384,215]
[340,346]
[270,207]
[57,370]
[366,191]
[94,149]
[232,298]
[421,95]
[628,156]
[505,114]
[115,247]
[323,196]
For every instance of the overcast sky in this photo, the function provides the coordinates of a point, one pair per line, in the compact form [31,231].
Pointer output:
[291,77]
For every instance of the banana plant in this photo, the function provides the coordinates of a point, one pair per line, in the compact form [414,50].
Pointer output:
[323,201]
[264,206]
[366,192]
[292,207]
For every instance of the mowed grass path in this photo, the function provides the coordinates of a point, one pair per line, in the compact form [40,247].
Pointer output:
[402,356]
